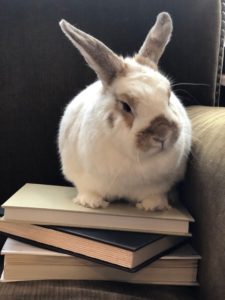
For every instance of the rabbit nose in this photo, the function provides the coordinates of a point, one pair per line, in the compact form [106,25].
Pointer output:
[160,140]
[161,131]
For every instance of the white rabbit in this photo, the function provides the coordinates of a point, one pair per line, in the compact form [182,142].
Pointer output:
[126,135]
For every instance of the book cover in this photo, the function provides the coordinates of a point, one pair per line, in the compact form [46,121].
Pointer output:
[132,241]
[52,205]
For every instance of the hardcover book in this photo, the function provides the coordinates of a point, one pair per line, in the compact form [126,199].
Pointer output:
[25,262]
[53,205]
[128,250]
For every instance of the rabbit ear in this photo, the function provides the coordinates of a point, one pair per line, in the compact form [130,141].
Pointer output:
[157,38]
[99,57]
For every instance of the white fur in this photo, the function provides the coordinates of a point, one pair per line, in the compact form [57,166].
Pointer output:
[104,161]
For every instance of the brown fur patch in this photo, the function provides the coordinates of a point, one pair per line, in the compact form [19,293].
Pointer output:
[128,117]
[111,120]
[157,129]
[145,61]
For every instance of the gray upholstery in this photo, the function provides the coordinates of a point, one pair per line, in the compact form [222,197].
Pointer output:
[40,72]
[71,290]
[204,194]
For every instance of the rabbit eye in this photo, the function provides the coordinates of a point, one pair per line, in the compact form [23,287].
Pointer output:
[125,107]
[126,112]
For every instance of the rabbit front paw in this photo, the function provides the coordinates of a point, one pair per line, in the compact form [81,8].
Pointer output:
[90,200]
[154,203]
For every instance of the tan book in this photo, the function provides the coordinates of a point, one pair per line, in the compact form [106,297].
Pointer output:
[24,262]
[53,205]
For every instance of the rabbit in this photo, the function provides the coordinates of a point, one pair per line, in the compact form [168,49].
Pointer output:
[127,135]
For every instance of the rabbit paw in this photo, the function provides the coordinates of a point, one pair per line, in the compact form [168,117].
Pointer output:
[90,200]
[154,203]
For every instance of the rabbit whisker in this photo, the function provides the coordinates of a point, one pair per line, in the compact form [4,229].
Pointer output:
[190,83]
[191,97]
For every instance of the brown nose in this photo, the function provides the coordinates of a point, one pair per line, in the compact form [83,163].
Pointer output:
[161,134]
[160,130]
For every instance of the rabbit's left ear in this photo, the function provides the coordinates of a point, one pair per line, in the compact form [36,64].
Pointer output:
[157,38]
[99,57]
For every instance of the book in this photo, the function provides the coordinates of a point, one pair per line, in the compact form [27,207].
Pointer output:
[24,262]
[53,205]
[128,250]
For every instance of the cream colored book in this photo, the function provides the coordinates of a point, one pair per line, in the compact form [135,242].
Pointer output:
[24,262]
[53,205]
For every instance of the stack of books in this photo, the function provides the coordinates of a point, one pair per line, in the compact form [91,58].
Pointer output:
[50,237]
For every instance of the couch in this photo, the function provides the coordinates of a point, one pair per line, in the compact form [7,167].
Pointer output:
[41,71]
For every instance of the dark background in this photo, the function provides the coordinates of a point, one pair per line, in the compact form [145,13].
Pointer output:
[40,70]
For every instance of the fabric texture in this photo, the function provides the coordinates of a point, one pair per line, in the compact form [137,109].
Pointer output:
[204,194]
[219,101]
[91,290]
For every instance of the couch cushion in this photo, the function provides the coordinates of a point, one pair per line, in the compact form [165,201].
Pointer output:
[204,191]
[91,290]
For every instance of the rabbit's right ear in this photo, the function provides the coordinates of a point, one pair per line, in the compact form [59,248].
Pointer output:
[99,57]
[157,38]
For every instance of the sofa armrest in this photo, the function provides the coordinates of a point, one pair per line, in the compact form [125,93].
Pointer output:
[204,195]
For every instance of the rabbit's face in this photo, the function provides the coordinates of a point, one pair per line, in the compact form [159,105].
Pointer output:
[142,104]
